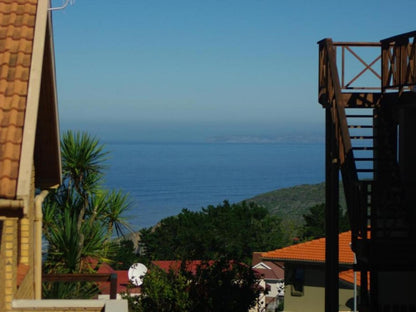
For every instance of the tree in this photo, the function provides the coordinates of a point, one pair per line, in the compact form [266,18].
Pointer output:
[80,217]
[235,230]
[124,254]
[163,292]
[315,222]
[221,285]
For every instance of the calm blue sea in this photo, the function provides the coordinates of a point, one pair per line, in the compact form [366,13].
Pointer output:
[163,178]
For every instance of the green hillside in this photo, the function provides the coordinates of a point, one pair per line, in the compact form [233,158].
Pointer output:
[293,202]
[290,204]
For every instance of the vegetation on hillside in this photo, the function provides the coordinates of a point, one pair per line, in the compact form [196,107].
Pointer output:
[292,203]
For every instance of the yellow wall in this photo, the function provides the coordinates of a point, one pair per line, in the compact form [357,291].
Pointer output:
[16,246]
[25,289]
[8,262]
[313,298]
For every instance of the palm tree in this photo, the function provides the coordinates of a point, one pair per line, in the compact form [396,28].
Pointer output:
[80,216]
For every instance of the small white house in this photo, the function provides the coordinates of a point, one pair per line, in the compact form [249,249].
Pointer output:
[274,277]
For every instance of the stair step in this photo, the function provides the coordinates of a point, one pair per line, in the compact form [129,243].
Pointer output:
[362,148]
[361,137]
[360,126]
[365,170]
[359,116]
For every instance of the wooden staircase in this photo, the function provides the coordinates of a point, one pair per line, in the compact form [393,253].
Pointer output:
[363,143]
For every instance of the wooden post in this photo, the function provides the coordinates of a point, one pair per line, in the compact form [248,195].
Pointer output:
[331,216]
[113,286]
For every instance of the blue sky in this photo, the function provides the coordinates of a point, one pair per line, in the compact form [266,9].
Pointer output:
[164,70]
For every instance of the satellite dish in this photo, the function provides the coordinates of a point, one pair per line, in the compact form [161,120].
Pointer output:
[136,273]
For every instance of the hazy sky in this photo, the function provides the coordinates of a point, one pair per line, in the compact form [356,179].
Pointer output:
[176,69]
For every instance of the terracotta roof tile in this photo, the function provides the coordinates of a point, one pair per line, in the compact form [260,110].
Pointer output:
[348,276]
[8,186]
[17,22]
[12,102]
[313,251]
[13,136]
[190,265]
[9,152]
[13,120]
[10,166]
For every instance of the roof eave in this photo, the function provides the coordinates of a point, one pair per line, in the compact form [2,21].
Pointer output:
[43,22]
[304,261]
[47,142]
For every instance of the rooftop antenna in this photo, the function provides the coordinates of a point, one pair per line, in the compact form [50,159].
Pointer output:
[63,6]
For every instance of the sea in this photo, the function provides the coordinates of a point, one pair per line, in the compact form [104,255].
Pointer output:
[164,178]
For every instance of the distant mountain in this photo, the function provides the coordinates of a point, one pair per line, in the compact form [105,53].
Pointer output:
[298,138]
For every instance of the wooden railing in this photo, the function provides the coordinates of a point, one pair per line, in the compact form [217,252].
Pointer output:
[398,62]
[331,97]
[367,66]
[94,277]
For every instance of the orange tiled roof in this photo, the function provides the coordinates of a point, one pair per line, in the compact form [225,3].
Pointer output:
[190,265]
[17,23]
[348,276]
[313,251]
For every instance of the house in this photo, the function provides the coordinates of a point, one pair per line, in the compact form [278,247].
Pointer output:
[29,143]
[30,160]
[190,265]
[304,265]
[273,275]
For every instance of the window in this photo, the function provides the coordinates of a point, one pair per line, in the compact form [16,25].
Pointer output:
[297,282]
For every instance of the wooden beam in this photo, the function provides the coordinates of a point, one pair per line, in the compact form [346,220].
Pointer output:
[93,277]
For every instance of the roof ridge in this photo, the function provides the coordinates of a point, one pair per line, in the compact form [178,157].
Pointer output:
[312,251]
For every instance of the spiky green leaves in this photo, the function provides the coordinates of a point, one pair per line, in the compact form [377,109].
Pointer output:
[81,216]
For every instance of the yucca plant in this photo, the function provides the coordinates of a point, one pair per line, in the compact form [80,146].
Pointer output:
[81,216]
